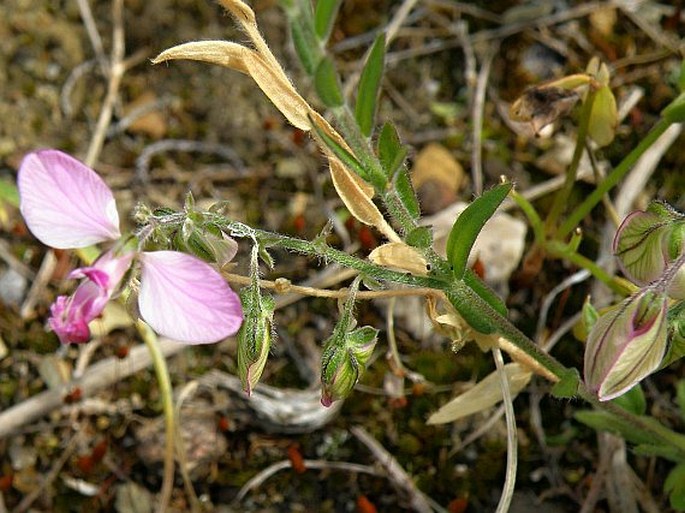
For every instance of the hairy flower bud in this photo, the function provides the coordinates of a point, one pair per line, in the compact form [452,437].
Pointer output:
[626,344]
[647,242]
[255,337]
[344,360]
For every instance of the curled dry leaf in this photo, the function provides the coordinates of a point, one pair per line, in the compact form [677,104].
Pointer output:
[222,53]
[399,256]
[483,395]
[356,194]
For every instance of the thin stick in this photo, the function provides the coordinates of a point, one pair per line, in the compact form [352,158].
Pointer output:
[309,464]
[29,499]
[477,115]
[512,447]
[283,286]
[117,69]
[417,499]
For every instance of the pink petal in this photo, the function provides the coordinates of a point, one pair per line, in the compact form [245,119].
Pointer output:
[65,204]
[70,315]
[184,298]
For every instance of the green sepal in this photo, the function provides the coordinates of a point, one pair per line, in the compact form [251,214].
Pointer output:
[343,155]
[676,336]
[369,86]
[674,486]
[680,397]
[163,211]
[567,386]
[325,13]
[327,84]
[469,224]
[421,237]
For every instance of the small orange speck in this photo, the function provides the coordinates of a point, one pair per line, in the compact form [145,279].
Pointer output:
[364,505]
[296,459]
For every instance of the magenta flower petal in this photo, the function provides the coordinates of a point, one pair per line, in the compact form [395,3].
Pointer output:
[65,203]
[184,298]
[70,315]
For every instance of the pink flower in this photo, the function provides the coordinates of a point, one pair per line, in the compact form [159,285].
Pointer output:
[67,205]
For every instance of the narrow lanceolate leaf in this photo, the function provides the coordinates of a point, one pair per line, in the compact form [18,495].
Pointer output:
[469,224]
[391,153]
[324,17]
[356,195]
[303,44]
[369,86]
[406,193]
[327,84]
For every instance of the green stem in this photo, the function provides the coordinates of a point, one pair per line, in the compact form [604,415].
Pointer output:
[458,292]
[561,250]
[165,392]
[612,179]
[533,217]
[564,193]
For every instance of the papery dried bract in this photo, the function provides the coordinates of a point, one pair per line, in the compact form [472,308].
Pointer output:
[485,394]
[356,194]
[626,344]
[400,256]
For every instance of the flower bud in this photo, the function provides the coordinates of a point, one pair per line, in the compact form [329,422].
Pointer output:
[647,242]
[626,344]
[344,360]
[255,337]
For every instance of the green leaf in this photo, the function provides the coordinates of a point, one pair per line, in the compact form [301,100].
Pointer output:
[605,421]
[633,401]
[681,77]
[661,450]
[325,13]
[469,224]
[567,386]
[304,43]
[391,153]
[327,84]
[675,111]
[369,86]
[343,155]
[406,193]
[675,487]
